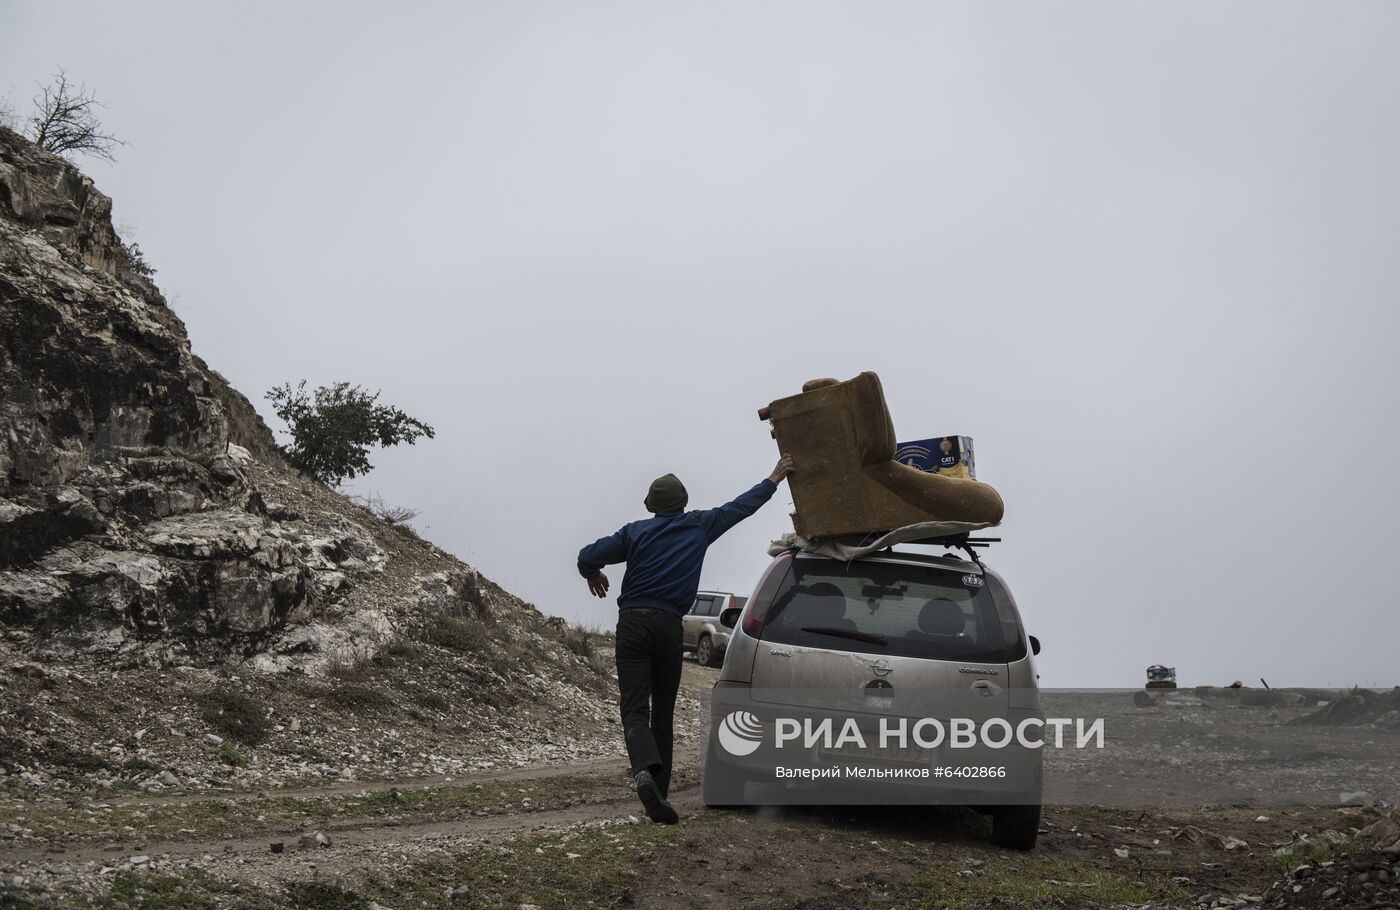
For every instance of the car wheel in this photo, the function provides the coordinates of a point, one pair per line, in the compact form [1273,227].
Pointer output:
[721,786]
[1016,827]
[705,652]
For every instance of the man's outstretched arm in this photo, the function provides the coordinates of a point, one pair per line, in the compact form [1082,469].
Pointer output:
[602,552]
[717,521]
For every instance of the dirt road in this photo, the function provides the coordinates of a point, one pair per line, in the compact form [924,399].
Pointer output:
[569,836]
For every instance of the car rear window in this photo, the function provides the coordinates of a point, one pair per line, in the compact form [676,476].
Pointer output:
[895,609]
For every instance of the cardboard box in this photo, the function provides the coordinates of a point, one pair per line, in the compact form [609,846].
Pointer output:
[950,455]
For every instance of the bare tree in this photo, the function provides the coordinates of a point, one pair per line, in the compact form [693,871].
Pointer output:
[65,120]
[394,515]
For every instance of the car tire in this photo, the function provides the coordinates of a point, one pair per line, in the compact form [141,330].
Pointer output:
[1016,827]
[705,652]
[721,786]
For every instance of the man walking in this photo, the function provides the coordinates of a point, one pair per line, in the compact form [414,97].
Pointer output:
[664,555]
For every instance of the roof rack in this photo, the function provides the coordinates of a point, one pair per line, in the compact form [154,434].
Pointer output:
[951,535]
[965,542]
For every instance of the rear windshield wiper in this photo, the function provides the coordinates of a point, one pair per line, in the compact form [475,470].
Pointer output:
[846,633]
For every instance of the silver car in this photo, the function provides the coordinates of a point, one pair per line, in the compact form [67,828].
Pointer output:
[702,633]
[893,622]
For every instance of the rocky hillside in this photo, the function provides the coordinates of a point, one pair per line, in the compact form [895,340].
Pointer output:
[180,608]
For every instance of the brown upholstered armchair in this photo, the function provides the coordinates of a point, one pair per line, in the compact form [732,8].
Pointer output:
[846,480]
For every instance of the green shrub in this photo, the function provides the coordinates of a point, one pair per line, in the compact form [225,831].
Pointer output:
[349,667]
[229,755]
[62,754]
[433,701]
[402,649]
[458,634]
[356,696]
[235,715]
[579,641]
[315,895]
[333,428]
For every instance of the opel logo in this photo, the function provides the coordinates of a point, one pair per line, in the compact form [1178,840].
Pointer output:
[881,667]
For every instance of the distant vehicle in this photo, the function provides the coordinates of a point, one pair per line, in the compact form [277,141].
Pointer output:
[1160,677]
[701,631]
[896,618]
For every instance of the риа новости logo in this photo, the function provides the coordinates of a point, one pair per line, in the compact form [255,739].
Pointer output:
[740,733]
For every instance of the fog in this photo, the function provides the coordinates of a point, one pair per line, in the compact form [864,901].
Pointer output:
[1143,254]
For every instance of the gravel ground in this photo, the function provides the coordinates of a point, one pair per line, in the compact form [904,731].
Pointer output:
[567,834]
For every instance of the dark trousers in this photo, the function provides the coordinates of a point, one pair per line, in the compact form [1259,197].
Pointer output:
[648,675]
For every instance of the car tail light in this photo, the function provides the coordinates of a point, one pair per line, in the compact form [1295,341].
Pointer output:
[753,624]
[756,610]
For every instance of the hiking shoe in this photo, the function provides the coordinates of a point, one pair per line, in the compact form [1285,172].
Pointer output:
[658,810]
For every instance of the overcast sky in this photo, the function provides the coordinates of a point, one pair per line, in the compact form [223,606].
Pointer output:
[1145,254]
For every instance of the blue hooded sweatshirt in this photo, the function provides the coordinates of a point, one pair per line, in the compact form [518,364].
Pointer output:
[664,553]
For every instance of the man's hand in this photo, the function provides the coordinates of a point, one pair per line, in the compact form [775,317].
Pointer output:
[598,586]
[783,469]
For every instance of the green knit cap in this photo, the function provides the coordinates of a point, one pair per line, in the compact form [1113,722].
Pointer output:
[666,495]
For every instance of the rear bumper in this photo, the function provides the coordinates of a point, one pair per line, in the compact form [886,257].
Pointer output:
[793,771]
[762,787]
